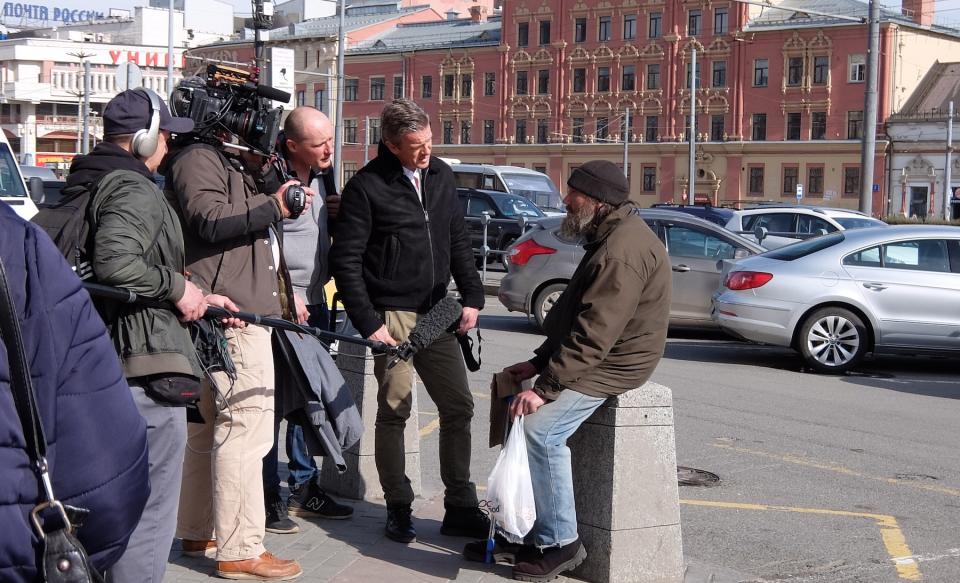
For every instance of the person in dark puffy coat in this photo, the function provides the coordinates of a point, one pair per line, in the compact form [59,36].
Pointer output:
[97,447]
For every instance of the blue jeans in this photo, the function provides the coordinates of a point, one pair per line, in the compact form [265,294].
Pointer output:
[547,432]
[301,466]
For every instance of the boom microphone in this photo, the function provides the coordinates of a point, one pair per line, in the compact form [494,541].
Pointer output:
[441,318]
[273,93]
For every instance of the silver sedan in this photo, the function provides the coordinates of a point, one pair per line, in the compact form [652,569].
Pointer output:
[541,262]
[838,297]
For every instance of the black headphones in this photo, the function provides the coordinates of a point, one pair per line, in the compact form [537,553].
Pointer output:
[145,142]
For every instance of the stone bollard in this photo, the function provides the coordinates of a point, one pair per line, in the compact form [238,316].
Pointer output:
[625,483]
[360,481]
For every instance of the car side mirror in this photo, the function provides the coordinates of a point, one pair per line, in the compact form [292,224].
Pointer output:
[35,184]
[760,233]
[740,253]
[523,223]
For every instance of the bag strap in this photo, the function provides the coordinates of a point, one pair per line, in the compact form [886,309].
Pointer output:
[20,382]
[466,347]
[25,401]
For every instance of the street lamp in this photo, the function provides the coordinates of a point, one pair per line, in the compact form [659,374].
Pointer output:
[338,115]
[338,129]
[83,130]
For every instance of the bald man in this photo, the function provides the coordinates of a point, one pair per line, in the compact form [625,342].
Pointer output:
[305,149]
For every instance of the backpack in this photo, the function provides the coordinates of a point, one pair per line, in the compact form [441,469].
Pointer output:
[68,225]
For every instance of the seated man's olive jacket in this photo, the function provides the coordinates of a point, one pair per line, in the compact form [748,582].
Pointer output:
[606,333]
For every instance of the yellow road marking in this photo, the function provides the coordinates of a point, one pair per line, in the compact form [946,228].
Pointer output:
[435,424]
[893,539]
[430,427]
[832,467]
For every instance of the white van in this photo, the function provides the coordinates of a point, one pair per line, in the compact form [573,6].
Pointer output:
[13,190]
[530,184]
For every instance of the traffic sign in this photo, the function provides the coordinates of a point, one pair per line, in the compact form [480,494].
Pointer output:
[129,76]
[799,191]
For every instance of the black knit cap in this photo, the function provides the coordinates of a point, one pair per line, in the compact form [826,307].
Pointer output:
[602,180]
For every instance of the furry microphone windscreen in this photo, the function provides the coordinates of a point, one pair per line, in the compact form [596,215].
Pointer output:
[441,317]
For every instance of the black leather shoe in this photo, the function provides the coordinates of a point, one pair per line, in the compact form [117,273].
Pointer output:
[470,522]
[549,563]
[400,525]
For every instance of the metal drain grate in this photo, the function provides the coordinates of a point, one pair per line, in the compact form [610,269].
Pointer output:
[694,477]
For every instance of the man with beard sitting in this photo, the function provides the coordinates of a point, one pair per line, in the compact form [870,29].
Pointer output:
[605,336]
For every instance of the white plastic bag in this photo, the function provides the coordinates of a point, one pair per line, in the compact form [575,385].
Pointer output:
[509,489]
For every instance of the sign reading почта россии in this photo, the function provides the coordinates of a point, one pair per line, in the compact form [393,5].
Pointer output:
[38,12]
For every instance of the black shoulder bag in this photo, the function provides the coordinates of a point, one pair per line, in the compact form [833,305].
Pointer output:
[64,559]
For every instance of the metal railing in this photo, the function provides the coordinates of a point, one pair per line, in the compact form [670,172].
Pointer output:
[485,250]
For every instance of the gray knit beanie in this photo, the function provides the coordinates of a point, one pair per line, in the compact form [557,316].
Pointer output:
[602,180]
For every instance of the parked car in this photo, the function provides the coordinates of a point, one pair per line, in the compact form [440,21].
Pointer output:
[788,224]
[838,297]
[541,263]
[506,212]
[715,214]
[44,185]
[13,189]
[531,184]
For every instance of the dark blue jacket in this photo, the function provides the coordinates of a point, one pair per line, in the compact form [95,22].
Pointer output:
[96,438]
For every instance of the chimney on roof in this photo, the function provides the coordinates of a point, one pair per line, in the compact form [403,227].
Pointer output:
[478,14]
[919,11]
[452,14]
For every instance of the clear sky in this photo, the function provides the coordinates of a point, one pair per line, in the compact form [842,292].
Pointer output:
[948,11]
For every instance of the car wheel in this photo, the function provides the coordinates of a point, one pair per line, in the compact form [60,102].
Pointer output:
[833,340]
[503,247]
[547,297]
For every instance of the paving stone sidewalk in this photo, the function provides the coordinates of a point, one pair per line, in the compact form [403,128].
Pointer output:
[356,550]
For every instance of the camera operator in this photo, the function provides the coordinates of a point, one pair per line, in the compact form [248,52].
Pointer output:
[231,246]
[304,151]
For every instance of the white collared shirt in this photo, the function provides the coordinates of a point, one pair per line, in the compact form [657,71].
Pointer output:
[418,183]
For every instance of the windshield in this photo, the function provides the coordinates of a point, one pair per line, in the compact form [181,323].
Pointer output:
[519,207]
[858,222]
[804,248]
[10,182]
[537,187]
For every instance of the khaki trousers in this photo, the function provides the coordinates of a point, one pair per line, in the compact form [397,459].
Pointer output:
[222,492]
[444,376]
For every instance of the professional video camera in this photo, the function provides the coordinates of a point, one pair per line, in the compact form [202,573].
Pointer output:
[231,99]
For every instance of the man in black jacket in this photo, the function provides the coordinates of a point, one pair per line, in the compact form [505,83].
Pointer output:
[400,235]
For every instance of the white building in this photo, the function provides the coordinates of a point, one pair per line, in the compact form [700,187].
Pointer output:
[206,20]
[146,26]
[41,87]
[918,135]
[41,71]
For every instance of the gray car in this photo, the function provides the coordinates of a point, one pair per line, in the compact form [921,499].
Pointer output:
[540,264]
[838,297]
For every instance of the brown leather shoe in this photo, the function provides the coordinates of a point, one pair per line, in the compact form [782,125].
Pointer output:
[199,548]
[266,567]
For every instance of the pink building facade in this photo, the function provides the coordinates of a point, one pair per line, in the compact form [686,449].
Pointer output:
[779,100]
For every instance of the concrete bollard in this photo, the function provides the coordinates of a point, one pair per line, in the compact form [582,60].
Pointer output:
[625,483]
[360,481]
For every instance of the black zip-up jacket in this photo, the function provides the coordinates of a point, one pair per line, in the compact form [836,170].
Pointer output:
[390,252]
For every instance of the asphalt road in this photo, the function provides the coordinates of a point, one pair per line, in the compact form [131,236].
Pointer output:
[823,479]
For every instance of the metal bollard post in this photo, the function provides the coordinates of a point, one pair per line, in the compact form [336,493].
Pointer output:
[485,249]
